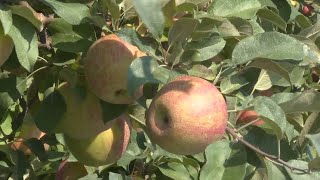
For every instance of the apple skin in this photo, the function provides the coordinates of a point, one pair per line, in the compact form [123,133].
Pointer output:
[247,116]
[6,47]
[70,171]
[28,130]
[307,10]
[104,148]
[187,115]
[83,117]
[106,68]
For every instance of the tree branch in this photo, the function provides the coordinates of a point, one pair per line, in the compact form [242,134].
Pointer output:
[273,158]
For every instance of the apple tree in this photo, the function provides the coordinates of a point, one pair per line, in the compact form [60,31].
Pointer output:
[160,89]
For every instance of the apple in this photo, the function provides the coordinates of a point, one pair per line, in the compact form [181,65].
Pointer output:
[247,116]
[104,148]
[307,10]
[70,170]
[106,68]
[83,117]
[186,115]
[6,47]
[28,130]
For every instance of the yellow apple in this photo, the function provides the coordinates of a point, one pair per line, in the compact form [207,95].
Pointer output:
[187,115]
[83,117]
[104,148]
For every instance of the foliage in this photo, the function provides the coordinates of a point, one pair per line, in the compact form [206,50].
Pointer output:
[244,47]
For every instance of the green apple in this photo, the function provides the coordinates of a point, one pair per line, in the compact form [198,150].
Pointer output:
[104,148]
[247,116]
[70,171]
[6,47]
[106,68]
[187,115]
[83,117]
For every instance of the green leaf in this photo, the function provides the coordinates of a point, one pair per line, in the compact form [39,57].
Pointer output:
[273,171]
[201,71]
[8,93]
[208,47]
[263,82]
[227,8]
[37,148]
[141,72]
[28,14]
[315,139]
[295,73]
[270,65]
[73,13]
[147,45]
[71,38]
[174,170]
[297,175]
[5,18]
[232,83]
[111,111]
[113,7]
[182,30]
[25,42]
[272,17]
[151,14]
[50,112]
[270,45]
[308,101]
[272,114]
[225,160]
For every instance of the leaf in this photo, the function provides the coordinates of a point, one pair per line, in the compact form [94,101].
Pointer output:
[29,14]
[111,111]
[270,45]
[273,171]
[147,45]
[50,112]
[295,71]
[201,71]
[174,170]
[113,7]
[227,8]
[225,160]
[297,175]
[308,101]
[8,93]
[181,30]
[141,72]
[270,65]
[71,38]
[151,14]
[5,18]
[37,148]
[243,26]
[263,82]
[272,17]
[315,139]
[208,47]
[25,42]
[272,114]
[232,83]
[73,13]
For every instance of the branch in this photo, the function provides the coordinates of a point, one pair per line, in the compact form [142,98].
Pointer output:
[273,158]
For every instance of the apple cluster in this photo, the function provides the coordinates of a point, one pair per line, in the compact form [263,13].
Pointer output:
[186,115]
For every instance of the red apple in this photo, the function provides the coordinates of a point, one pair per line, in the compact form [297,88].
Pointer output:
[247,116]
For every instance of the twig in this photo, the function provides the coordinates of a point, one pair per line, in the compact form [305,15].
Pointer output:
[273,158]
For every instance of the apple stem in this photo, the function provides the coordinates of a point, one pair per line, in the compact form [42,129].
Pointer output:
[269,157]
[246,125]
